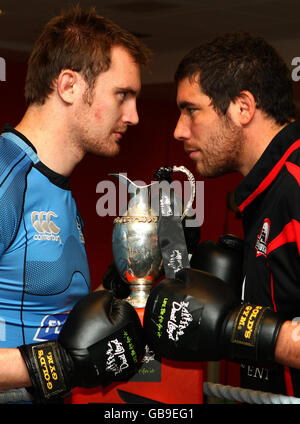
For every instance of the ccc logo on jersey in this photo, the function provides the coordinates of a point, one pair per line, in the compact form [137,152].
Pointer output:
[43,223]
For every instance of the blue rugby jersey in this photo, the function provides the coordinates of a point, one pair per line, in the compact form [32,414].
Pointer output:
[43,264]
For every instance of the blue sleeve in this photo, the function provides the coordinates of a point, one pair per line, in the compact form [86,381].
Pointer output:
[14,165]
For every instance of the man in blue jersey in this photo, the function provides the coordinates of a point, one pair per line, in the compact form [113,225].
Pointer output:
[82,83]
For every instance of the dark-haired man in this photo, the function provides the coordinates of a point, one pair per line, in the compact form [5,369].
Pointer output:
[82,83]
[237,115]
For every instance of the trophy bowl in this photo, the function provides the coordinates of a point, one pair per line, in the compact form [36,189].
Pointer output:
[137,255]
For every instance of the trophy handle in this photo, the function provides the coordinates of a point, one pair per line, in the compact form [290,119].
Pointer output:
[191,179]
[164,173]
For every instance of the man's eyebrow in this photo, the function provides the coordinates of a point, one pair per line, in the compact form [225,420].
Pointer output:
[185,104]
[129,90]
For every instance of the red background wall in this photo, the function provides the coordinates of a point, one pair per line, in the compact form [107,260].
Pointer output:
[145,148]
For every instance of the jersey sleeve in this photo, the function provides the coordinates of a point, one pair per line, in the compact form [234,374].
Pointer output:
[14,165]
[283,252]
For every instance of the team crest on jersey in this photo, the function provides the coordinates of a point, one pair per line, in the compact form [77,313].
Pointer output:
[45,227]
[262,238]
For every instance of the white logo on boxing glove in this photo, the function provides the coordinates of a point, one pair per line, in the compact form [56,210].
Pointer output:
[179,320]
[116,361]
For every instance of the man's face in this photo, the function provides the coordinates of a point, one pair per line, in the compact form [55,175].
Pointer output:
[103,116]
[210,139]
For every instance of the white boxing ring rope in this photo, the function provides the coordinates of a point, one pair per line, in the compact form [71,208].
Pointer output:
[210,389]
[239,394]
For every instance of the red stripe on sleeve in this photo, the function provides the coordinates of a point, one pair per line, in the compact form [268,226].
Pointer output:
[272,294]
[270,177]
[289,234]
[294,170]
[288,381]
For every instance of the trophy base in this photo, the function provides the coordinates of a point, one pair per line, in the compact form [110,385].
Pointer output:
[139,292]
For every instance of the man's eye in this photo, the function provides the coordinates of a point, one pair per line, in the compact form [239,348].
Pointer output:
[122,95]
[190,110]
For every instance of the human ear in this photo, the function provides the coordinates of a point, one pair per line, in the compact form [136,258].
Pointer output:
[244,107]
[66,85]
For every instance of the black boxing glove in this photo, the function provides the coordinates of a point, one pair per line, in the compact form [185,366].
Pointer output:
[192,236]
[101,341]
[223,259]
[196,317]
[114,282]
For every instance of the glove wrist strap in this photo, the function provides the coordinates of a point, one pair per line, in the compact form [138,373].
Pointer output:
[252,332]
[49,368]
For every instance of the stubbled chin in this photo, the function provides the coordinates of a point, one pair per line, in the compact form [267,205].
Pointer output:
[106,151]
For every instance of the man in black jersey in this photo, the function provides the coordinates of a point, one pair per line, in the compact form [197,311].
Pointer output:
[237,115]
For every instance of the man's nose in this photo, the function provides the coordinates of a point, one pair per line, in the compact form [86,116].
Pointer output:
[182,130]
[130,116]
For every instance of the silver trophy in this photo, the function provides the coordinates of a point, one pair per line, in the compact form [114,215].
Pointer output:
[135,244]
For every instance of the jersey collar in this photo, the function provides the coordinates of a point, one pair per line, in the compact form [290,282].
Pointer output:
[23,142]
[269,165]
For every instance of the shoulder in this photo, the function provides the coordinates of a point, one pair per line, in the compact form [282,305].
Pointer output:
[287,189]
[14,163]
[14,167]
[11,154]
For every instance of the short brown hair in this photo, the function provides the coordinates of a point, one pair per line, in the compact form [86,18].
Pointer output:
[81,41]
[231,63]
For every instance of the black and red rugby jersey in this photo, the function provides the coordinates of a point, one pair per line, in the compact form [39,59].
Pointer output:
[269,200]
